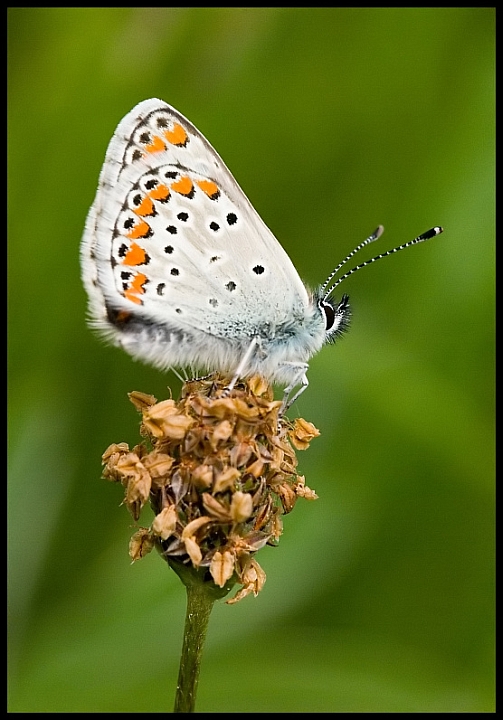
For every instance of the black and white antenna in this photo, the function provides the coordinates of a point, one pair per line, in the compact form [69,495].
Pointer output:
[433,232]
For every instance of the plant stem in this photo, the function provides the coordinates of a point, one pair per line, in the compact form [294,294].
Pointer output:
[199,606]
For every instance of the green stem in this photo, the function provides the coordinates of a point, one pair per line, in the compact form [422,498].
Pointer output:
[199,606]
[201,594]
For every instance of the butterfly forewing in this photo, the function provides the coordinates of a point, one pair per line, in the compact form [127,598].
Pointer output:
[175,237]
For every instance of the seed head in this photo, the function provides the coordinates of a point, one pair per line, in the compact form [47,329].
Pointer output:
[219,471]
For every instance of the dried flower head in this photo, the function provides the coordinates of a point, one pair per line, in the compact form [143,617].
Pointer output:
[219,472]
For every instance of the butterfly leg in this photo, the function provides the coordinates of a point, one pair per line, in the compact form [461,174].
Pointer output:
[299,379]
[242,364]
[178,375]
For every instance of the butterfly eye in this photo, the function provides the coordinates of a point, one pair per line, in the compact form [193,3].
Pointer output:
[336,317]
[329,313]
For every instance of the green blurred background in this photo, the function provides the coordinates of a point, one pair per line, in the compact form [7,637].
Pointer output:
[379,597]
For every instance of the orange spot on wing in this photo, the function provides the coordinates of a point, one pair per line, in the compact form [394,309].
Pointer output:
[138,231]
[183,186]
[122,316]
[146,207]
[138,282]
[156,145]
[208,187]
[160,192]
[136,255]
[129,295]
[136,288]
[176,136]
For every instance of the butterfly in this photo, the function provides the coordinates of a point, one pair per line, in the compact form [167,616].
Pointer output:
[181,271]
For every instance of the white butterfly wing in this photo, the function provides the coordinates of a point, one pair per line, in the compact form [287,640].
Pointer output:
[172,239]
